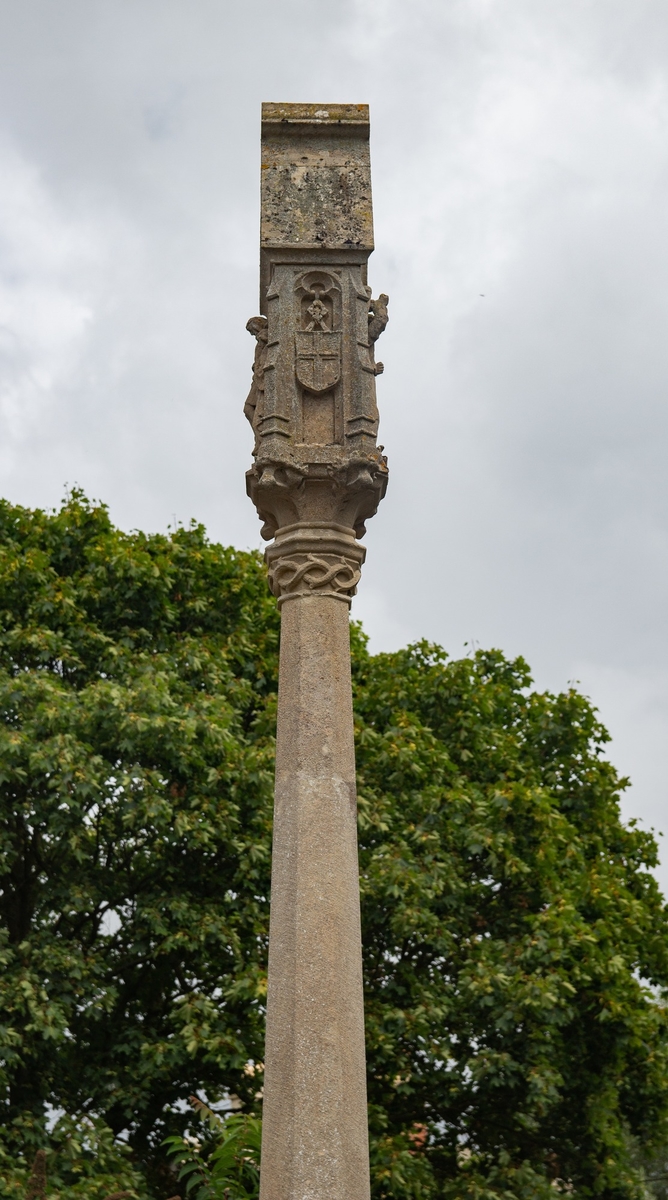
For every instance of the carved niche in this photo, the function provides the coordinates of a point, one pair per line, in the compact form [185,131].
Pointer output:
[318,358]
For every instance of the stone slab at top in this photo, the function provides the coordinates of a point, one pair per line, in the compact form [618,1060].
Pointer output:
[316,177]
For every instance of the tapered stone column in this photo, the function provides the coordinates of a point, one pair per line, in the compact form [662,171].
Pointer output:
[318,475]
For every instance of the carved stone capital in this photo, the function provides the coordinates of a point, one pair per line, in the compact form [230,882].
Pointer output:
[314,560]
[344,493]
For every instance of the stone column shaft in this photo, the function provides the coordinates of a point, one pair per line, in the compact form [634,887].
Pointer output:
[315,1121]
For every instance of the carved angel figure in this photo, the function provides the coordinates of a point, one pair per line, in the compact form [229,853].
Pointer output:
[254,406]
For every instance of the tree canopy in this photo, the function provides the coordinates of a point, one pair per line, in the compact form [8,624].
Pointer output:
[515,941]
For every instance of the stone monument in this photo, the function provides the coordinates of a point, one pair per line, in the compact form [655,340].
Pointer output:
[317,476]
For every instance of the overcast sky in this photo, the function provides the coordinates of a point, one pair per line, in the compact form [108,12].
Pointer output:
[520,170]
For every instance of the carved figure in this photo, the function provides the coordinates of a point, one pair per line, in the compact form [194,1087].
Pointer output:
[254,406]
[378,317]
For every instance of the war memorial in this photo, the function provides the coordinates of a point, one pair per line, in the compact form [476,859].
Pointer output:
[318,475]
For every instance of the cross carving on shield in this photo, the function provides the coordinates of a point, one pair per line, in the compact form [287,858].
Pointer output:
[318,364]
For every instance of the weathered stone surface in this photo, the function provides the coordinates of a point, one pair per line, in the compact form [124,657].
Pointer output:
[312,402]
[314,559]
[314,1142]
[317,476]
[312,155]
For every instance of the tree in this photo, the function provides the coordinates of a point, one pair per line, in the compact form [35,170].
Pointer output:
[135,787]
[511,928]
[515,939]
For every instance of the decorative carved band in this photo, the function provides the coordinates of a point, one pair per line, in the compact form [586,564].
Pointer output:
[312,573]
[315,560]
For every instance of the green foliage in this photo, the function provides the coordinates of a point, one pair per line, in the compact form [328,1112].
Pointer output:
[135,811]
[515,940]
[83,1162]
[653,1169]
[229,1167]
[511,928]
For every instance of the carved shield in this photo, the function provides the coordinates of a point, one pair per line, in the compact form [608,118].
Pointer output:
[318,363]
